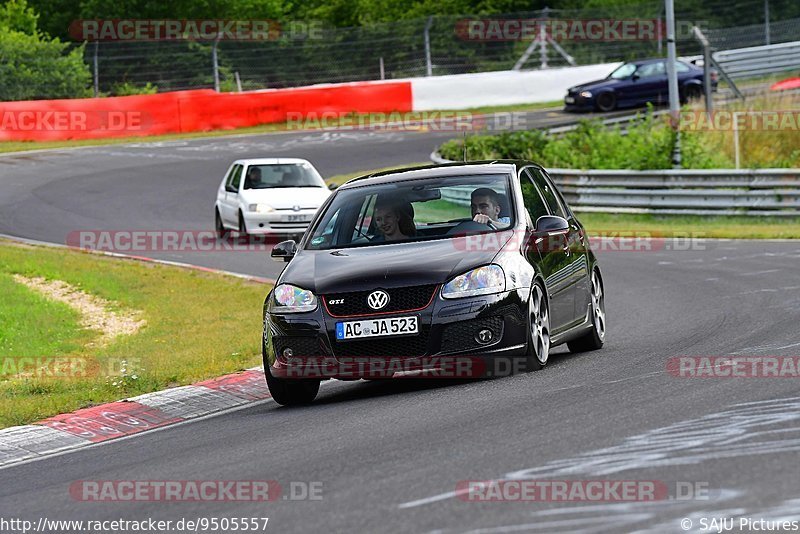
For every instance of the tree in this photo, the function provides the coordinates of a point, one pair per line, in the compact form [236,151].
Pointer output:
[33,65]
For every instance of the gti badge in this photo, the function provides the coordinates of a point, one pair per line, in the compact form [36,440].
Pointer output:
[378,299]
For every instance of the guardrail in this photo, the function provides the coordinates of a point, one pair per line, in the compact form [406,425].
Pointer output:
[759,60]
[761,192]
[772,192]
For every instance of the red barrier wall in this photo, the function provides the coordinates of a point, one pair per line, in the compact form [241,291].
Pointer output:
[189,111]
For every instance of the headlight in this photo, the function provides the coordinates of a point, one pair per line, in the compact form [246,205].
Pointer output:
[586,94]
[481,281]
[260,208]
[291,299]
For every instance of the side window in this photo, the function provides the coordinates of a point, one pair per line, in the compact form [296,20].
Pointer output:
[652,69]
[229,178]
[236,178]
[534,204]
[549,194]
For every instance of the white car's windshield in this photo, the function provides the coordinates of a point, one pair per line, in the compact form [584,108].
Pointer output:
[414,210]
[270,176]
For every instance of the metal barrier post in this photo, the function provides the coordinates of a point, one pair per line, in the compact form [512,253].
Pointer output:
[215,61]
[428,64]
[706,67]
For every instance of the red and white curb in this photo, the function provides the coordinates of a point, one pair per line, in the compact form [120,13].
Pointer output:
[130,416]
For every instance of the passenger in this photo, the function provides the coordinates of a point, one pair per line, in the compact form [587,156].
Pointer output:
[394,221]
[486,206]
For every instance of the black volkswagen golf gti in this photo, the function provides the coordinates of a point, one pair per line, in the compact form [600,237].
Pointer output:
[468,269]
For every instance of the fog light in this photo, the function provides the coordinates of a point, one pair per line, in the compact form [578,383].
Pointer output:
[484,336]
[288,353]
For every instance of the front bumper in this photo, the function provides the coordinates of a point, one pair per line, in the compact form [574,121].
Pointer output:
[575,102]
[445,347]
[280,222]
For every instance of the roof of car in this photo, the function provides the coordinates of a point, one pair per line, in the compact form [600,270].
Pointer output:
[655,60]
[439,170]
[270,161]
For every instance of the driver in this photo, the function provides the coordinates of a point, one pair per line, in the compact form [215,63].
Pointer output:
[486,206]
[253,180]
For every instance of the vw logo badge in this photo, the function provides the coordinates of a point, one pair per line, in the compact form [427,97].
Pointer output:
[296,208]
[378,299]
[484,336]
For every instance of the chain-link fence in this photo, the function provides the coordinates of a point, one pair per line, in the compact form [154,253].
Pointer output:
[429,46]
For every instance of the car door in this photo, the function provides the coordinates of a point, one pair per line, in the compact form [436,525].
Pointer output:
[231,203]
[578,242]
[575,275]
[222,200]
[551,254]
[652,83]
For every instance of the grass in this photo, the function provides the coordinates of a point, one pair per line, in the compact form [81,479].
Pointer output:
[199,326]
[31,325]
[733,227]
[372,118]
[759,147]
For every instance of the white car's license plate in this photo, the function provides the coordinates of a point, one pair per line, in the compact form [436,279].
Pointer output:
[394,326]
[569,100]
[297,218]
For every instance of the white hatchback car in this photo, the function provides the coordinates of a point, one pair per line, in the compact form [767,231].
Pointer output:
[269,196]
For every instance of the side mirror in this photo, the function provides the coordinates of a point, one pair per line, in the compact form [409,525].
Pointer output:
[550,225]
[634,77]
[284,251]
[332,187]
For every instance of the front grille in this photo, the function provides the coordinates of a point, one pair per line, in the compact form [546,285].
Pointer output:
[460,336]
[400,299]
[395,347]
[300,345]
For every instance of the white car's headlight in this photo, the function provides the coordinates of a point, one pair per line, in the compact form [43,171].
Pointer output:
[292,299]
[481,281]
[586,94]
[260,208]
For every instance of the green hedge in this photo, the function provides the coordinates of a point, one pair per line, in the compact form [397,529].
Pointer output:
[646,145]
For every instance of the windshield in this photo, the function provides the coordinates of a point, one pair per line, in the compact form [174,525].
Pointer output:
[623,71]
[414,210]
[271,176]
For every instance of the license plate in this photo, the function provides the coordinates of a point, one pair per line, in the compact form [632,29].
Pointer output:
[297,218]
[394,326]
[569,100]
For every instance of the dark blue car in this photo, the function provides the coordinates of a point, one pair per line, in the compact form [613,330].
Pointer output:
[635,84]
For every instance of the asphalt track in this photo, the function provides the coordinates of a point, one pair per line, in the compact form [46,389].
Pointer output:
[390,455]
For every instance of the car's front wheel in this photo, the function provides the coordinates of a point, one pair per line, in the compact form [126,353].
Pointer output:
[606,101]
[291,392]
[595,337]
[538,330]
[218,226]
[242,224]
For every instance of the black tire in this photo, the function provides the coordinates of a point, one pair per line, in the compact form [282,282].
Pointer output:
[218,227]
[606,101]
[291,392]
[595,337]
[242,225]
[538,350]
